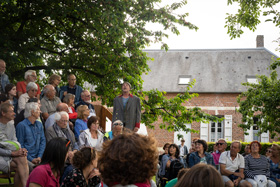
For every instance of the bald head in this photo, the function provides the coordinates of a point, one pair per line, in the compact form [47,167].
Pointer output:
[62,107]
[2,66]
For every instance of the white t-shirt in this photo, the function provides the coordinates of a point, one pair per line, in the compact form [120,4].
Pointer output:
[232,165]
[182,151]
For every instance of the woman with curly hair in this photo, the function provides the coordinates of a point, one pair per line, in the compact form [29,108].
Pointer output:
[129,159]
[85,172]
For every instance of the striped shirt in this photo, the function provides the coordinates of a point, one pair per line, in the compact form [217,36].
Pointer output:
[256,166]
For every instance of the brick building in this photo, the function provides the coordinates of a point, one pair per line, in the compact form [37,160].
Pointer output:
[219,74]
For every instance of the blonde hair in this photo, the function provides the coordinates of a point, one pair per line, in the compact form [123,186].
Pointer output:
[80,110]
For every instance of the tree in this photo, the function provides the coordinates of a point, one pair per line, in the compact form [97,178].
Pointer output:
[261,100]
[100,41]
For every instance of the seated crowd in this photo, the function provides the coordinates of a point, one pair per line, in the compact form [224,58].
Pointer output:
[53,138]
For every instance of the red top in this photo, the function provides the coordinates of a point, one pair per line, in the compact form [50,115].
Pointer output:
[21,87]
[73,115]
[43,176]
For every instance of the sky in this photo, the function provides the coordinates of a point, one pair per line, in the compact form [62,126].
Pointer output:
[209,16]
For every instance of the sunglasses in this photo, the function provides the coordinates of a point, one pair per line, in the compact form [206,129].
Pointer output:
[120,124]
[219,144]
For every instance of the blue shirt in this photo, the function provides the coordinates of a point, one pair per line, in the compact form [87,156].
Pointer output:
[80,125]
[194,159]
[32,138]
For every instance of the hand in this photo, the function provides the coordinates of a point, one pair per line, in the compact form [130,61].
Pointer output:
[135,129]
[236,182]
[64,93]
[36,161]
[20,152]
[70,155]
[94,172]
[238,174]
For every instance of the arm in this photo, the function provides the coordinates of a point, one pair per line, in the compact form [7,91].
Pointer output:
[77,129]
[114,110]
[5,152]
[211,160]
[44,109]
[19,89]
[34,185]
[82,140]
[224,171]
[42,142]
[21,104]
[191,160]
[138,113]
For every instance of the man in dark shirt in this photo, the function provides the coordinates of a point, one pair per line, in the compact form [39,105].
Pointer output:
[71,88]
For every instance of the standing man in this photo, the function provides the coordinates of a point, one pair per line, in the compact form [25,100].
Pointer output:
[221,147]
[71,88]
[183,151]
[3,77]
[127,108]
[232,166]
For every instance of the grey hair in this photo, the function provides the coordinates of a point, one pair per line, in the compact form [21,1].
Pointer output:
[46,89]
[29,107]
[83,92]
[57,115]
[28,72]
[240,146]
[221,139]
[68,97]
[31,85]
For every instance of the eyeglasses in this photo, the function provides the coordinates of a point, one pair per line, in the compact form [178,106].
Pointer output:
[64,121]
[268,151]
[219,144]
[33,90]
[120,124]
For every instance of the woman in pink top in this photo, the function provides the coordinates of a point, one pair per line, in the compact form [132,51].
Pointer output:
[47,174]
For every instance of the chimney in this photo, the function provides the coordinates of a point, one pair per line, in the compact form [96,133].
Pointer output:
[260,41]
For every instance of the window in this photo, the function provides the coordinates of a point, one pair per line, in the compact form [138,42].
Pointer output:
[184,79]
[252,79]
[216,131]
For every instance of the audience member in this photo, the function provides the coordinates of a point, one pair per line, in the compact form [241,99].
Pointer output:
[11,93]
[20,116]
[91,137]
[12,159]
[60,107]
[257,167]
[129,159]
[201,175]
[31,90]
[81,122]
[59,129]
[221,147]
[181,173]
[183,151]
[192,149]
[268,152]
[86,100]
[49,101]
[200,156]
[69,100]
[127,108]
[4,79]
[29,76]
[54,80]
[117,129]
[275,164]
[30,133]
[246,150]
[85,172]
[168,162]
[71,88]
[232,166]
[50,169]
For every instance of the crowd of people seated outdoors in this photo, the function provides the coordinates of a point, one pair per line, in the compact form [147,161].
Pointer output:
[53,138]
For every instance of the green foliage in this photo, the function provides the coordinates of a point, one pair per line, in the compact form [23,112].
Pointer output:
[249,13]
[261,101]
[101,42]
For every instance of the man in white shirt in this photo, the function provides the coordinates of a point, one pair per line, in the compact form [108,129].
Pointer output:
[232,166]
